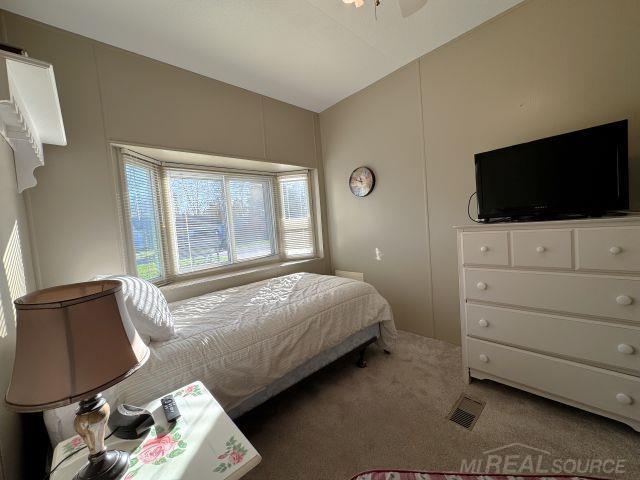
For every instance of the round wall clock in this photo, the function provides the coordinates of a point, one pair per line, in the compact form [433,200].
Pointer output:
[362,181]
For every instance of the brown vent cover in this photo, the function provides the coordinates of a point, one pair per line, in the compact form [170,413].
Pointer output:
[465,411]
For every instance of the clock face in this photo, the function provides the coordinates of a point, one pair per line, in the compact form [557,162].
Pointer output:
[362,181]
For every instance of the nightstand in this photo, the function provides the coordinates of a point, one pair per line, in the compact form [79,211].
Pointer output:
[203,443]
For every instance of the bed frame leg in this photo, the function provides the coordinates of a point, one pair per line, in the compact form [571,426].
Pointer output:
[361,362]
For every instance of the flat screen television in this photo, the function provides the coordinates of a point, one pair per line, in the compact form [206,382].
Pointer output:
[578,173]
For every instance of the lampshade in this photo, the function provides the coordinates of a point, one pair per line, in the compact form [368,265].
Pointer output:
[72,342]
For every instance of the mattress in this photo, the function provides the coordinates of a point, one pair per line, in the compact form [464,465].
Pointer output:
[240,340]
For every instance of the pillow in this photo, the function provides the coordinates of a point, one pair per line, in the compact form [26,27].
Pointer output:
[147,308]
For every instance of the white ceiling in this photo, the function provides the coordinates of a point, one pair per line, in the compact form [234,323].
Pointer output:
[311,53]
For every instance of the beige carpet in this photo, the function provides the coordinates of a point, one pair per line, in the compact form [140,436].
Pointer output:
[392,414]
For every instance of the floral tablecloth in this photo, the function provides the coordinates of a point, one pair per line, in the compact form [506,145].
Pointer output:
[202,443]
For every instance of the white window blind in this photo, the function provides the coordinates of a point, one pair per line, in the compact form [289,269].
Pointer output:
[251,206]
[142,214]
[183,220]
[198,221]
[296,222]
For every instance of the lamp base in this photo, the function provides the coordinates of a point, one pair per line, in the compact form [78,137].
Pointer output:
[108,465]
[90,422]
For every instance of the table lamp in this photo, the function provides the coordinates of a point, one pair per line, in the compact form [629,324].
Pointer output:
[73,342]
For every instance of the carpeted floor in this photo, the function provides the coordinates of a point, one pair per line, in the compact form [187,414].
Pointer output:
[343,420]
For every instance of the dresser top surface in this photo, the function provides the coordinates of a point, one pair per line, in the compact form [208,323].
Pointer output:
[618,221]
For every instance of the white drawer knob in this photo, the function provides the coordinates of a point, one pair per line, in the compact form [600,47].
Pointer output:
[484,359]
[626,349]
[615,250]
[624,300]
[483,323]
[484,249]
[483,286]
[624,399]
[541,249]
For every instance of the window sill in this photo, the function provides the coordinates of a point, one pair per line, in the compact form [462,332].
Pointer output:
[182,289]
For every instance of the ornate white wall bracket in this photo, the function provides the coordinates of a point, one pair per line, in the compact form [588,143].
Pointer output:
[30,112]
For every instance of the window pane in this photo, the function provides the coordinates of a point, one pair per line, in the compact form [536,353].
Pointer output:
[251,208]
[199,221]
[143,217]
[185,220]
[297,227]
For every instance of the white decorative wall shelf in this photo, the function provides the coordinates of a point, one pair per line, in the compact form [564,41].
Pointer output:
[30,112]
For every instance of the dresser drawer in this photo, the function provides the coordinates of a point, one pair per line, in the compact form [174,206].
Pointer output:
[610,391]
[485,248]
[542,248]
[615,249]
[593,295]
[596,342]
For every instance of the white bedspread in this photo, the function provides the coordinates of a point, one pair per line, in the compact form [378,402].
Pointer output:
[237,341]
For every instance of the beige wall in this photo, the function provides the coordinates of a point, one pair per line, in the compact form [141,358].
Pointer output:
[543,68]
[16,278]
[380,127]
[110,95]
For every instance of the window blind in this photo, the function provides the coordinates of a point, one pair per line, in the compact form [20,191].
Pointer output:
[198,220]
[142,213]
[251,206]
[296,222]
[183,220]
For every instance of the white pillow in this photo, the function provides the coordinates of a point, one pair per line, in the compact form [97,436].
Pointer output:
[147,308]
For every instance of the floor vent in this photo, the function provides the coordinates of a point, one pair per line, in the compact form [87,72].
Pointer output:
[465,411]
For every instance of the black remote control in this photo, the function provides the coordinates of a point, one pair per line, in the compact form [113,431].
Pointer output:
[170,408]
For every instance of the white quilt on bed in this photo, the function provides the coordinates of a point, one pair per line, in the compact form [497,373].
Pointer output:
[237,341]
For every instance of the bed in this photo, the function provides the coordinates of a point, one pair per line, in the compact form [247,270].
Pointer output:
[249,343]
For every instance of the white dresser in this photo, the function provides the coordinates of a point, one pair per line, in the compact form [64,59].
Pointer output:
[554,308]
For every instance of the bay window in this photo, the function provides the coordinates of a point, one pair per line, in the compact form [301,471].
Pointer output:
[181,220]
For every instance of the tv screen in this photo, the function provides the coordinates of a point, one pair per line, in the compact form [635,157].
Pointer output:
[579,173]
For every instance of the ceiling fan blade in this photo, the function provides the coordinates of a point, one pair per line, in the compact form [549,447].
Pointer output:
[409,7]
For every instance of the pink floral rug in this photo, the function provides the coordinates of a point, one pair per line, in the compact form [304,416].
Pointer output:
[413,475]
